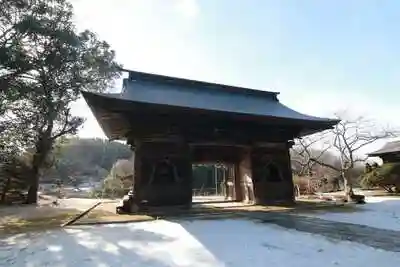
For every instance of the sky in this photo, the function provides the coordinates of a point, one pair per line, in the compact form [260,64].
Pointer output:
[322,56]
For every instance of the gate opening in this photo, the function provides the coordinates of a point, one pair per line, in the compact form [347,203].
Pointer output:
[213,183]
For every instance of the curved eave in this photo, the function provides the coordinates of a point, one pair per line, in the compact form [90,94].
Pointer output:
[322,126]
[104,107]
[110,122]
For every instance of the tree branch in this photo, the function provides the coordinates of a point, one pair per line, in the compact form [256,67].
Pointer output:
[346,139]
[325,164]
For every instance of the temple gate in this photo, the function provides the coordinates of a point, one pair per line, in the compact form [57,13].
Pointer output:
[172,123]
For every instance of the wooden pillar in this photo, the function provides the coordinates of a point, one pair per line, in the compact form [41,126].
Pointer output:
[246,177]
[230,183]
[137,165]
[291,197]
[238,186]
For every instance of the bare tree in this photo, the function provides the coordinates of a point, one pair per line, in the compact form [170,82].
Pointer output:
[305,153]
[345,140]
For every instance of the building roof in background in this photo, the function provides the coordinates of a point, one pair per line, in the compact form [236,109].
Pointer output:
[388,148]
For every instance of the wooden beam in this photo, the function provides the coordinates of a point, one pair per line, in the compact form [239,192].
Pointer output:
[282,145]
[217,144]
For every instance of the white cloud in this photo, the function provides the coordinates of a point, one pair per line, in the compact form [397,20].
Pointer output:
[188,8]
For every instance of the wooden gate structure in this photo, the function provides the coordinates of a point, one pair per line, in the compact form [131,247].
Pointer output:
[172,123]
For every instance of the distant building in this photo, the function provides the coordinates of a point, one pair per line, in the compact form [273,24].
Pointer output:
[390,152]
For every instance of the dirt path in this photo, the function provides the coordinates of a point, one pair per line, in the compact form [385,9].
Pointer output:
[44,215]
[44,208]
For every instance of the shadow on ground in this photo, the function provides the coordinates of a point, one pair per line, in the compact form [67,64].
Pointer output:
[287,216]
[97,246]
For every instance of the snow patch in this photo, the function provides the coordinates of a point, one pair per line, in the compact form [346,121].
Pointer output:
[202,243]
[379,212]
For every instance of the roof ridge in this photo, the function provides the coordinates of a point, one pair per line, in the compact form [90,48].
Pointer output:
[137,75]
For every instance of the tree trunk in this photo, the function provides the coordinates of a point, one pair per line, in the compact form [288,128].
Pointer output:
[34,186]
[43,147]
[6,187]
[348,187]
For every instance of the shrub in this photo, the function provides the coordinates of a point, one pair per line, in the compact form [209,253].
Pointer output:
[306,184]
[113,188]
[14,179]
[96,193]
[386,176]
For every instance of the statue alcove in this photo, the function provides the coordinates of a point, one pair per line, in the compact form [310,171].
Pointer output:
[270,184]
[272,173]
[164,172]
[165,175]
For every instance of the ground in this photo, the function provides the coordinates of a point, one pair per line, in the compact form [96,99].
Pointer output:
[380,212]
[364,237]
[187,243]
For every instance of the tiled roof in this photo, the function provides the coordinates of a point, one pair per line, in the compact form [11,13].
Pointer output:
[144,88]
[390,147]
[241,102]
